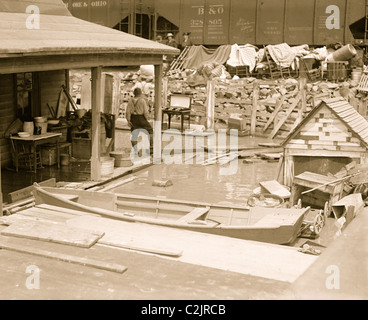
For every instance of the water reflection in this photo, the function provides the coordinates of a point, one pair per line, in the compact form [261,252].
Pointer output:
[202,183]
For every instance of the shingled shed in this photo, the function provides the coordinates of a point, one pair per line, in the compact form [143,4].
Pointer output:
[333,135]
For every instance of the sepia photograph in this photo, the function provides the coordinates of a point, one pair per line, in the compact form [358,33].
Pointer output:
[184,156]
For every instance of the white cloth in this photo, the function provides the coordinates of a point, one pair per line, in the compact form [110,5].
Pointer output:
[243,56]
[284,55]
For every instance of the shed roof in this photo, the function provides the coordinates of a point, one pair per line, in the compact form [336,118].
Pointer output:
[343,111]
[60,33]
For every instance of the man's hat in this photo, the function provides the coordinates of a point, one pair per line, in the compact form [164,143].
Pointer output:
[170,35]
[186,34]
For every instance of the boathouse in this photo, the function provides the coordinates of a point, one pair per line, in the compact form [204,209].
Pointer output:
[332,135]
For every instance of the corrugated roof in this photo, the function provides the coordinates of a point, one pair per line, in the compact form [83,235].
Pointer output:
[343,111]
[63,34]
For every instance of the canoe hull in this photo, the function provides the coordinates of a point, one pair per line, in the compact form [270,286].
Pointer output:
[97,202]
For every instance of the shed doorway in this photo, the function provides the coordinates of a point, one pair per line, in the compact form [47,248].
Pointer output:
[320,165]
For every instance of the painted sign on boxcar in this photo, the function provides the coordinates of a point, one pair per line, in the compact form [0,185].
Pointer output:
[243,22]
[216,22]
[270,22]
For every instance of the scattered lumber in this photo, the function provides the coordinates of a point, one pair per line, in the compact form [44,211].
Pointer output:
[275,188]
[26,193]
[7,245]
[52,232]
[147,249]
[119,183]
[124,235]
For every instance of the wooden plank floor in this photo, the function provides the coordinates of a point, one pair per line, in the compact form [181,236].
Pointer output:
[210,267]
[148,277]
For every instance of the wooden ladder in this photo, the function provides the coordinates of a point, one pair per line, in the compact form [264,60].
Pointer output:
[177,64]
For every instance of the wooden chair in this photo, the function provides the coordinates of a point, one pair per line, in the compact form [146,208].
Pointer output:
[276,71]
[23,157]
[312,74]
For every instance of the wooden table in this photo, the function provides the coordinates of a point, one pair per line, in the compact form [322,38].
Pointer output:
[182,112]
[34,141]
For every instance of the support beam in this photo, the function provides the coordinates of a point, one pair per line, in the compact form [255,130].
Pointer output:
[96,103]
[210,105]
[75,61]
[1,192]
[158,114]
[253,121]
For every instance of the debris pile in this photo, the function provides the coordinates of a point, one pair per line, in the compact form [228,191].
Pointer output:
[280,104]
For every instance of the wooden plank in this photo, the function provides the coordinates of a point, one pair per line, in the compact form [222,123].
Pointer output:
[194,214]
[217,252]
[7,245]
[274,113]
[318,142]
[26,192]
[323,147]
[147,249]
[254,108]
[334,100]
[64,210]
[341,107]
[47,214]
[297,146]
[282,121]
[53,232]
[275,188]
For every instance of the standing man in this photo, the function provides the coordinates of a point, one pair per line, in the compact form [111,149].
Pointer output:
[137,116]
[187,41]
[172,43]
[171,40]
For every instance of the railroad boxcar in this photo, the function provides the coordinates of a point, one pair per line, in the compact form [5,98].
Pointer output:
[217,22]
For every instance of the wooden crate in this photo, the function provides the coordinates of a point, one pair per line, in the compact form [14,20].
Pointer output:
[337,70]
[363,83]
[49,153]
[240,71]
[61,129]
[82,148]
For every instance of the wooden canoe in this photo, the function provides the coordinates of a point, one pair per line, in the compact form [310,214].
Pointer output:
[271,225]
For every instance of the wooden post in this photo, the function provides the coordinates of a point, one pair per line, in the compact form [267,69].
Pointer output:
[96,103]
[164,91]
[1,192]
[67,85]
[303,98]
[86,96]
[158,113]
[210,105]
[254,109]
[288,170]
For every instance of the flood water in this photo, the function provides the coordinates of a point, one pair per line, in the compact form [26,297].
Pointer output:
[198,183]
